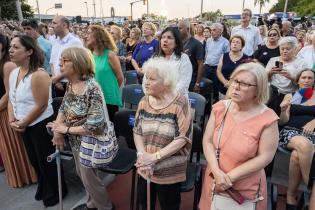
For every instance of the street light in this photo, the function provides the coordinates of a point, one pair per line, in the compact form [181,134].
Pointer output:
[87,9]
[131,5]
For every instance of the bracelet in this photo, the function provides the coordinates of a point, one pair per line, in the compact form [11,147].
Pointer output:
[68,130]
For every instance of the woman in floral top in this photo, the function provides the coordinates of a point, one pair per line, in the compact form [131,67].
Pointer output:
[81,114]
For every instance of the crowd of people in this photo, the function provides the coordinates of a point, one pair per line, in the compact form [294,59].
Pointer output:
[263,96]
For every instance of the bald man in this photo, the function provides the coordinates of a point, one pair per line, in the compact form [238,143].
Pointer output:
[194,49]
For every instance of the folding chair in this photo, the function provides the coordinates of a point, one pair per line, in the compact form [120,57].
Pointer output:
[280,176]
[132,94]
[126,157]
[131,77]
[206,90]
[198,103]
[194,169]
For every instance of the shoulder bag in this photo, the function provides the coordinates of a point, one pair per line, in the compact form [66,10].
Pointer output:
[97,151]
[233,200]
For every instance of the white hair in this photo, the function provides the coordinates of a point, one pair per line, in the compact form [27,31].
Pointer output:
[289,40]
[217,26]
[165,69]
[286,22]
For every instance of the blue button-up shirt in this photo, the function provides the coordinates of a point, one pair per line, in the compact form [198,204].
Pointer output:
[46,46]
[215,49]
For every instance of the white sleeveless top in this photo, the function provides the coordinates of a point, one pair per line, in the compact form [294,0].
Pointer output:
[22,100]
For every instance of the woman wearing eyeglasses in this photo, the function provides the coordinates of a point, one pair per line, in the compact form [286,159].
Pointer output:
[229,61]
[270,50]
[249,123]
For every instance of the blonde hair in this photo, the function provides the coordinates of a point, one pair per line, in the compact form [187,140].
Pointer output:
[260,74]
[151,25]
[118,29]
[137,33]
[165,69]
[82,61]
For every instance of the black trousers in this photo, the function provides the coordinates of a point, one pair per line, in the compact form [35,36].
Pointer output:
[210,72]
[168,195]
[38,146]
[112,109]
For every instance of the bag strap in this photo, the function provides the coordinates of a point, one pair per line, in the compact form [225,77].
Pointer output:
[217,151]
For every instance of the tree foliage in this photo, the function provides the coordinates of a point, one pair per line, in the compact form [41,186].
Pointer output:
[8,9]
[301,7]
[211,16]
[261,4]
[153,17]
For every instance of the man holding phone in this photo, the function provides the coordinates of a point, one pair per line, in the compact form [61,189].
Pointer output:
[282,72]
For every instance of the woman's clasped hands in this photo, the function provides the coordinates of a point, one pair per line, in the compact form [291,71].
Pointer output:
[222,180]
[145,163]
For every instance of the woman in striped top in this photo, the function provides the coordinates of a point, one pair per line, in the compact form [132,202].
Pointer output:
[161,135]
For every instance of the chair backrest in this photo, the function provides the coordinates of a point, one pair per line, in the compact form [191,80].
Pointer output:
[196,143]
[56,103]
[206,87]
[131,77]
[198,103]
[124,121]
[132,94]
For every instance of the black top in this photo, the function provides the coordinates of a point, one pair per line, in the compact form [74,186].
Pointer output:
[194,49]
[129,49]
[228,67]
[300,115]
[263,54]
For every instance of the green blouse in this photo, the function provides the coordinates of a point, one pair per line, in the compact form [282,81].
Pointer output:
[105,76]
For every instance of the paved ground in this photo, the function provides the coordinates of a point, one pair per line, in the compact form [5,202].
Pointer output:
[23,198]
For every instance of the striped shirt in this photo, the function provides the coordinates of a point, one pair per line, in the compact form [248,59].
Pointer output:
[158,128]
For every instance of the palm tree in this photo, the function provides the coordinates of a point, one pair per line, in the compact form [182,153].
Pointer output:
[261,4]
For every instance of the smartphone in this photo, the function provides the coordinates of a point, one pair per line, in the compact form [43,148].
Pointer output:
[279,64]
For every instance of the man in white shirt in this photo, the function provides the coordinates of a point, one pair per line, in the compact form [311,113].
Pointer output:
[249,32]
[65,39]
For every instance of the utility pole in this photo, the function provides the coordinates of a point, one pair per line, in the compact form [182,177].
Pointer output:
[40,18]
[243,5]
[19,10]
[201,9]
[94,10]
[101,10]
[148,8]
[131,4]
[285,9]
[87,9]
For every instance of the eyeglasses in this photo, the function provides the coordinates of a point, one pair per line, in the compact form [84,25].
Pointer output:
[241,85]
[272,34]
[64,60]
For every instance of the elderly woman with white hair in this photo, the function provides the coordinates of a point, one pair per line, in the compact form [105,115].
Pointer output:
[244,120]
[161,134]
[307,53]
[282,72]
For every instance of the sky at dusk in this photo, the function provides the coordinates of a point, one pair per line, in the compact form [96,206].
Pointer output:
[169,8]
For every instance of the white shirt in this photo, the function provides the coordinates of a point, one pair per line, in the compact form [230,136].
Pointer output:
[285,85]
[184,74]
[59,45]
[22,99]
[251,36]
[307,53]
